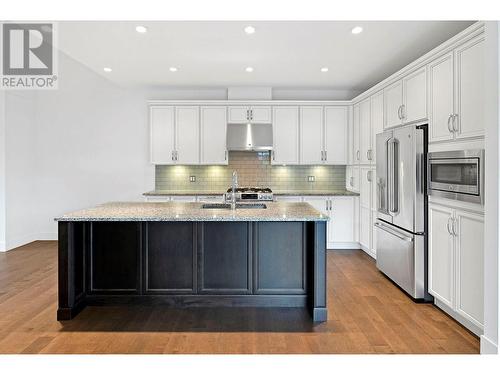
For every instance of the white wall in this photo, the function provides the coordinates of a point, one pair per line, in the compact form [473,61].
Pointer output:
[489,340]
[92,145]
[20,173]
[2,171]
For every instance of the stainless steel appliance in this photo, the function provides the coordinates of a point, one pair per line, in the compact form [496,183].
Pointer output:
[401,226]
[249,194]
[457,175]
[249,137]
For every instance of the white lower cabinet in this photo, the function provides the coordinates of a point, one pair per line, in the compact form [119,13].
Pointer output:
[456,255]
[365,227]
[340,228]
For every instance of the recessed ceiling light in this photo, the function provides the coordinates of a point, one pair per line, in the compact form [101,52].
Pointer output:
[249,69]
[324,70]
[250,29]
[107,70]
[172,69]
[141,29]
[356,30]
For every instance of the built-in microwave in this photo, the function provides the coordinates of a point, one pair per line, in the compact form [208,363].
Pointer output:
[456,175]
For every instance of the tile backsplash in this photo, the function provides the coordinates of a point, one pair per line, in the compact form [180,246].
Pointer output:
[254,169]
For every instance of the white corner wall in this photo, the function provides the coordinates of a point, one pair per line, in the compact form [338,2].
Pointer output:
[489,340]
[2,172]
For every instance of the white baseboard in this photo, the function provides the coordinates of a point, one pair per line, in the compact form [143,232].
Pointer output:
[368,251]
[12,244]
[342,245]
[488,346]
[478,331]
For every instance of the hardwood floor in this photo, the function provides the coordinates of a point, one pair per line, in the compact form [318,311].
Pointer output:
[367,314]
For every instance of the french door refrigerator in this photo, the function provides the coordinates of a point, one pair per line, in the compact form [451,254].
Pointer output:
[401,225]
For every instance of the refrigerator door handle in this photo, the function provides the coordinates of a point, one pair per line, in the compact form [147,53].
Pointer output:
[393,175]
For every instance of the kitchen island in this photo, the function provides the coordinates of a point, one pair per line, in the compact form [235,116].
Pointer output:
[190,254]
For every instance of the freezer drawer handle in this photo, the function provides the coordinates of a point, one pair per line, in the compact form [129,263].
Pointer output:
[394,233]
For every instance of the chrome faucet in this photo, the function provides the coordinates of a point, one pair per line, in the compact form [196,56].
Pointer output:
[234,185]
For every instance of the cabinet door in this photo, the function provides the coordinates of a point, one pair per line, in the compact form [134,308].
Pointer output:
[365,131]
[187,135]
[355,134]
[470,89]
[311,135]
[441,255]
[285,135]
[336,128]
[260,115]
[319,203]
[162,134]
[213,135]
[470,265]
[415,100]
[441,98]
[377,122]
[365,224]
[237,114]
[393,99]
[341,224]
[365,189]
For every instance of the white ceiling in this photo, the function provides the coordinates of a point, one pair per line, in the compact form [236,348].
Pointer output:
[283,54]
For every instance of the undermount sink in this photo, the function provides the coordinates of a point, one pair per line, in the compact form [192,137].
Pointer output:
[228,205]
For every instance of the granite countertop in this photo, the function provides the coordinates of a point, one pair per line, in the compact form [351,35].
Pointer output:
[183,211]
[337,192]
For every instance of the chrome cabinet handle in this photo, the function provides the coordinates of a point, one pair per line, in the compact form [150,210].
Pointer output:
[448,226]
[322,156]
[331,205]
[225,155]
[351,181]
[453,122]
[357,155]
[326,158]
[450,117]
[172,155]
[403,110]
[274,155]
[176,155]
[453,227]
[399,112]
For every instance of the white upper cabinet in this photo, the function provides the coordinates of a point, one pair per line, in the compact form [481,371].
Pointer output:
[335,133]
[406,100]
[162,134]
[457,93]
[213,135]
[187,135]
[260,115]
[238,114]
[285,135]
[393,101]
[253,114]
[311,135]
[469,119]
[377,122]
[365,131]
[415,96]
[356,153]
[441,98]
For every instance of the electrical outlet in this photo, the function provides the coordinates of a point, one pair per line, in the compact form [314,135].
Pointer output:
[192,178]
[311,178]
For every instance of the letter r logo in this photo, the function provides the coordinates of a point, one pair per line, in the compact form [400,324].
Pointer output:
[27,49]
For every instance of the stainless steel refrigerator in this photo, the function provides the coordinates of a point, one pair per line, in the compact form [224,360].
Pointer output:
[401,225]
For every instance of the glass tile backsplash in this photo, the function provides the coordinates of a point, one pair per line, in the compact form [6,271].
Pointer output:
[254,169]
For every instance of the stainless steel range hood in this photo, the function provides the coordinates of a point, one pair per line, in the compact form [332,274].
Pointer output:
[249,137]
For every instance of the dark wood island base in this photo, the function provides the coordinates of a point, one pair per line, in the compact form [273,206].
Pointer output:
[192,263]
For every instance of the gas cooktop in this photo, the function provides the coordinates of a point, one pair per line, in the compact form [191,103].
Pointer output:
[246,189]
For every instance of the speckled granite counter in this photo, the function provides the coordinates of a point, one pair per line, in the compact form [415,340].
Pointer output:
[278,192]
[182,211]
